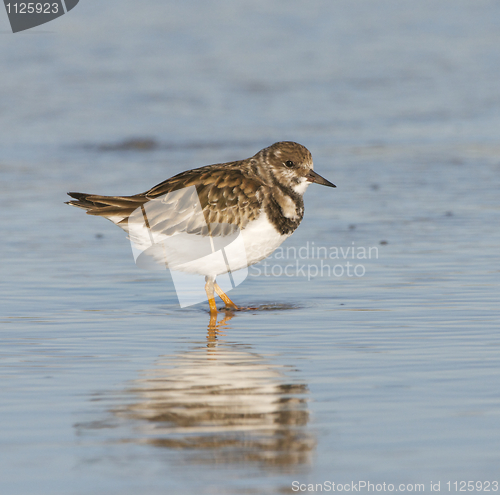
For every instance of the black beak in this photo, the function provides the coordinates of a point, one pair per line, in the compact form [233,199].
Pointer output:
[312,176]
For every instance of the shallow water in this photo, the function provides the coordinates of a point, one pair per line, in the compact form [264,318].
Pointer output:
[109,387]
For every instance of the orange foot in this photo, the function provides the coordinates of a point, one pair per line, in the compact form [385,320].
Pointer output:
[224,297]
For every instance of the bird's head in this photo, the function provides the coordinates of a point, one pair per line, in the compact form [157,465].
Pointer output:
[290,164]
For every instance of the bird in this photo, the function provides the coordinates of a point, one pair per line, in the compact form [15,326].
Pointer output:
[259,199]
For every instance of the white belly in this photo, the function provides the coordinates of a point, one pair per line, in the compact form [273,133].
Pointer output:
[254,243]
[261,238]
[189,254]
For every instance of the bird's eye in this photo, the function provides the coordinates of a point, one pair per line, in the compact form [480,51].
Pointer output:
[289,164]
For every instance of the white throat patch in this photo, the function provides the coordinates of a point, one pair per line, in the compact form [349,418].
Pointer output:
[301,188]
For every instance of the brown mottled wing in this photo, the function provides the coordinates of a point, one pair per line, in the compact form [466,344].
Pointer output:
[228,198]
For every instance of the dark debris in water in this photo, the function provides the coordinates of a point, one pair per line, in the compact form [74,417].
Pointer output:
[151,144]
[270,307]
[131,144]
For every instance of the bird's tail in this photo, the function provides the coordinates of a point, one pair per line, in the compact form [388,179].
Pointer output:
[115,208]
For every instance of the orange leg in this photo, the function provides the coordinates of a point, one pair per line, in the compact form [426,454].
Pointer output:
[224,296]
[209,289]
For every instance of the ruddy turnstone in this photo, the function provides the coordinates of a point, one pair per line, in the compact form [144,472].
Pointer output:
[261,196]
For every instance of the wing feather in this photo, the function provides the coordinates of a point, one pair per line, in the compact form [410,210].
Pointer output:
[226,195]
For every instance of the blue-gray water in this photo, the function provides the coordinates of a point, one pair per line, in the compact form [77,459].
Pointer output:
[108,387]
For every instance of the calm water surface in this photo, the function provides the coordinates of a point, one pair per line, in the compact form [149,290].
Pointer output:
[108,387]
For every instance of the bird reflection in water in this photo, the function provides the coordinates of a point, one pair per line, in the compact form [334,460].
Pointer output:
[221,403]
